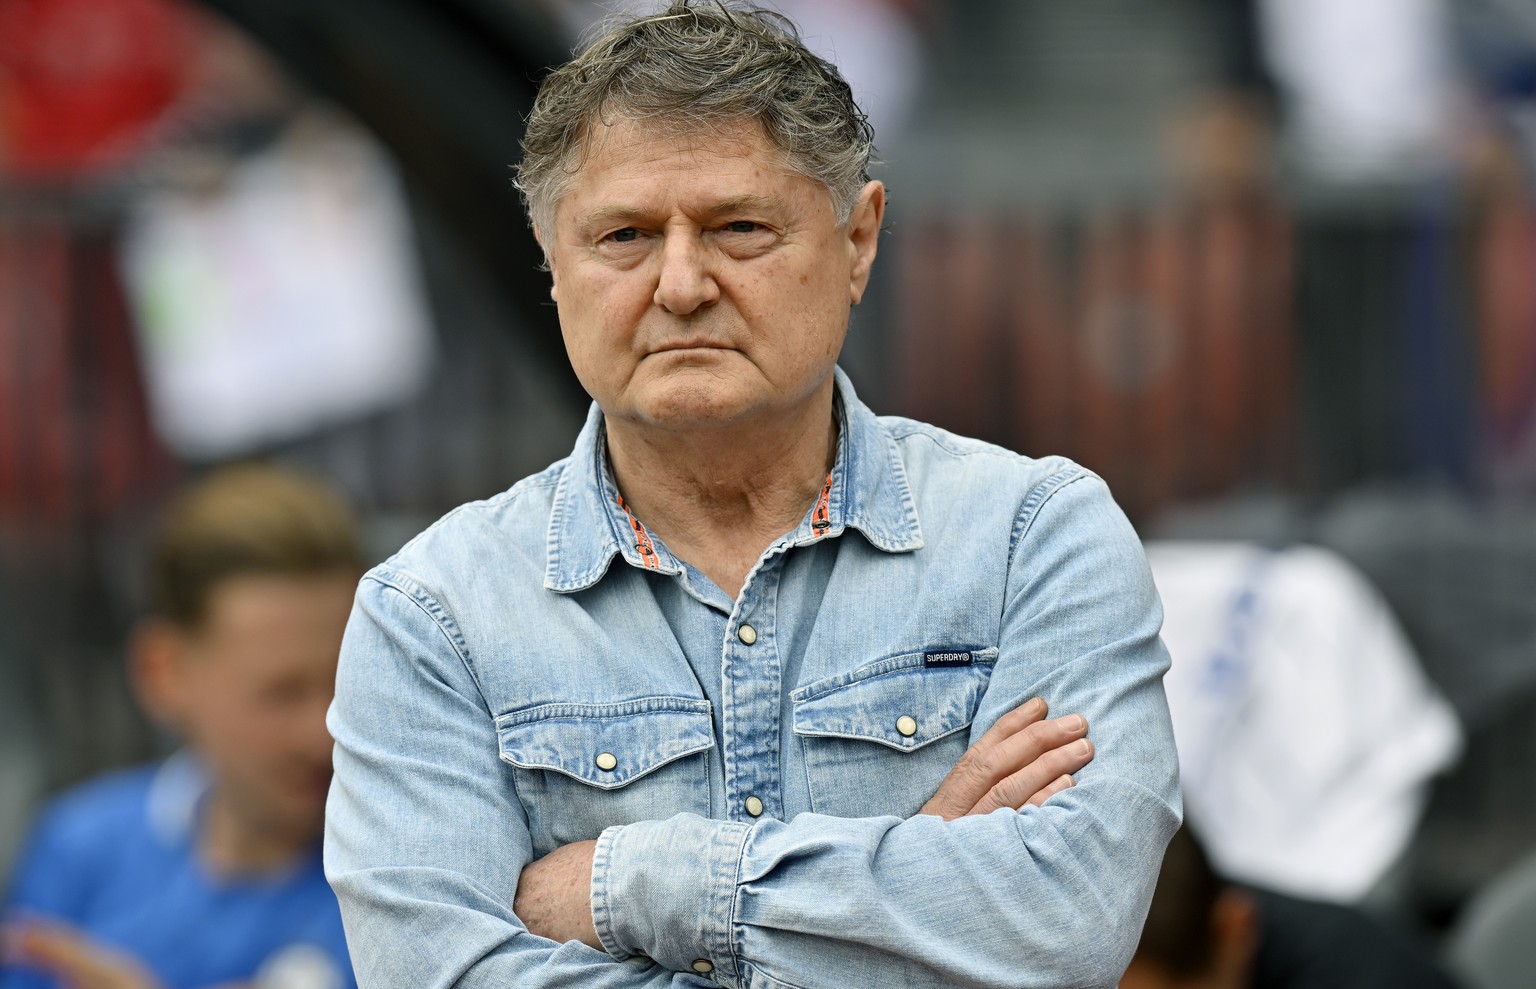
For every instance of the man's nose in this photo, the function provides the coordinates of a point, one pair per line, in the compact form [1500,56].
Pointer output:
[687,278]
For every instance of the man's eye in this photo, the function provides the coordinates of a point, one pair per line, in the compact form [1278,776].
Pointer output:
[624,236]
[742,227]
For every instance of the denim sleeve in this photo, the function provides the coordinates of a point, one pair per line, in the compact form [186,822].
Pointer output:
[424,838]
[1052,896]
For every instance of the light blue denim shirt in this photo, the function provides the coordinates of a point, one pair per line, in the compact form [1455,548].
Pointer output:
[538,669]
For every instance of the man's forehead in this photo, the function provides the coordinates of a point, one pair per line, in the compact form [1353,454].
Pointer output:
[621,154]
[626,141]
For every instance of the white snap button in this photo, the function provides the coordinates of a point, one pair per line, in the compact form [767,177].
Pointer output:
[907,725]
[703,966]
[607,762]
[747,634]
[754,807]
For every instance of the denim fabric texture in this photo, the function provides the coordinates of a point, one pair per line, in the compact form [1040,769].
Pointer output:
[537,669]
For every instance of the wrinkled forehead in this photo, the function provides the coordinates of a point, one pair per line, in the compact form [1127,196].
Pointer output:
[610,141]
[615,136]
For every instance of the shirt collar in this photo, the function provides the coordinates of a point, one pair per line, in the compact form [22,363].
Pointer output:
[589,526]
[176,793]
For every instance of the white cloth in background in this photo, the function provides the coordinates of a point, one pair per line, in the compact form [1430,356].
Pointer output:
[872,43]
[1307,732]
[876,49]
[284,299]
[1370,84]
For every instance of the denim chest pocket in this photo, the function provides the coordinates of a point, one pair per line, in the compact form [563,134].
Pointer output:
[579,768]
[878,740]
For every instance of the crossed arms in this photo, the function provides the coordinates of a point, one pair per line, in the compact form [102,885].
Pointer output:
[1022,760]
[429,846]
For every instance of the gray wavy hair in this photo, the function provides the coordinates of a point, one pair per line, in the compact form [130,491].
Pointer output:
[694,65]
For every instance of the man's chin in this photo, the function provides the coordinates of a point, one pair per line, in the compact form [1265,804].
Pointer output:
[698,402]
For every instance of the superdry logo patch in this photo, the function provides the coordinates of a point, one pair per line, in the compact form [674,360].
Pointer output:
[949,658]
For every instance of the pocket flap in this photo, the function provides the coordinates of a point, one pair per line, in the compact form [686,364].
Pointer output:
[901,702]
[606,745]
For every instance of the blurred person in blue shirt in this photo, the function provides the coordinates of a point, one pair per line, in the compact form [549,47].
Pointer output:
[750,690]
[205,870]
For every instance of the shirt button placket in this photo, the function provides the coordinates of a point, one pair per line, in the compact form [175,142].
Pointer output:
[752,700]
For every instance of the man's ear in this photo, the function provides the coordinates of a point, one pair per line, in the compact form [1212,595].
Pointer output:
[864,237]
[156,657]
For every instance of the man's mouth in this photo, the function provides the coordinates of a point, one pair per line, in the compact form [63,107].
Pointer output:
[690,344]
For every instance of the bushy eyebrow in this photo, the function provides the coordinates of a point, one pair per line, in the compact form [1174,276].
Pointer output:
[746,203]
[729,206]
[602,216]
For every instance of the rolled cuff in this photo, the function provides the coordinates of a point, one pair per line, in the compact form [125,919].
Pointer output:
[667,889]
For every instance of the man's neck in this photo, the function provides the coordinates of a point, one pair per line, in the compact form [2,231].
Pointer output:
[230,844]
[719,498]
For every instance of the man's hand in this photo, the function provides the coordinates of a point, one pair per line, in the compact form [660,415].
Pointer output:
[71,957]
[554,898]
[1022,759]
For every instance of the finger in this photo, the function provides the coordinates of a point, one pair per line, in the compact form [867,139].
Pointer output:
[1062,782]
[978,769]
[984,767]
[1016,790]
[1024,747]
[1019,751]
[1015,721]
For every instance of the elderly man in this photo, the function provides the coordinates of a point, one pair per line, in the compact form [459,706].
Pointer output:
[751,689]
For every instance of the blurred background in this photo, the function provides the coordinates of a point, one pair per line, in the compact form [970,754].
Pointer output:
[1268,266]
